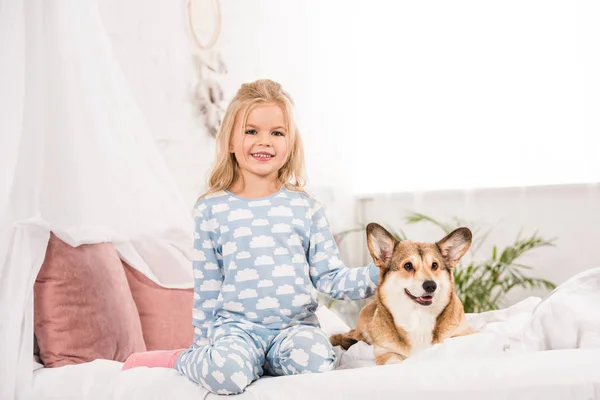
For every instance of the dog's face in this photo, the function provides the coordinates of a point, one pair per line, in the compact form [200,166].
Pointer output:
[420,272]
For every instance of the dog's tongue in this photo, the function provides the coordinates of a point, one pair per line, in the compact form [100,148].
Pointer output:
[426,297]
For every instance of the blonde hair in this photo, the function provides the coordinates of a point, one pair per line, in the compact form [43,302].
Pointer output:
[226,169]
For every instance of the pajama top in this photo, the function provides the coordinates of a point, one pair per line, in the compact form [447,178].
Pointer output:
[258,261]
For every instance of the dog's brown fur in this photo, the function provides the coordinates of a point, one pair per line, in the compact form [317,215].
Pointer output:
[390,337]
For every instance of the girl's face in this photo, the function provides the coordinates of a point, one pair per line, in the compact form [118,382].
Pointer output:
[261,147]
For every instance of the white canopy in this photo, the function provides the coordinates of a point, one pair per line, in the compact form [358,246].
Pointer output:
[76,159]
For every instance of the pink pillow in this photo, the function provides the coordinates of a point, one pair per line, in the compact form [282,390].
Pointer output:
[166,314]
[83,308]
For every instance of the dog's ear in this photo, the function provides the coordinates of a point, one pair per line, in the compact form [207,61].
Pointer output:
[381,244]
[455,245]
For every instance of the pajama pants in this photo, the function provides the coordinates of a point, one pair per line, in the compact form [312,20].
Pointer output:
[237,356]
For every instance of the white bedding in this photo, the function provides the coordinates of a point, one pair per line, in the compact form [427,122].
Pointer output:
[521,352]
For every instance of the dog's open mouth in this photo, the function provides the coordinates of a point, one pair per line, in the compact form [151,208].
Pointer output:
[424,300]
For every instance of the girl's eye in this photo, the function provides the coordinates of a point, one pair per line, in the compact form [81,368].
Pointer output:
[408,266]
[277,133]
[251,132]
[434,266]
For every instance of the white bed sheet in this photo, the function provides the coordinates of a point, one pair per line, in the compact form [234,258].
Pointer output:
[533,350]
[558,374]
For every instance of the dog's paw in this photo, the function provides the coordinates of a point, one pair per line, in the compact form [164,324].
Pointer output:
[394,361]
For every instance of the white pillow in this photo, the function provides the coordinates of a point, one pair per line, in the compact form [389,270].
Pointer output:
[569,318]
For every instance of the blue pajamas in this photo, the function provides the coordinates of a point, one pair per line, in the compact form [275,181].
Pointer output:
[238,355]
[257,265]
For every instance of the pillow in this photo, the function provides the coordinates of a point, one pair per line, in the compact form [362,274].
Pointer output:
[165,314]
[83,308]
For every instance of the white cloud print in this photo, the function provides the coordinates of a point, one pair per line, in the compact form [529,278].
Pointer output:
[211,266]
[209,225]
[318,238]
[198,255]
[246,274]
[295,240]
[281,251]
[199,209]
[217,208]
[260,222]
[284,270]
[243,231]
[228,288]
[234,306]
[262,241]
[335,262]
[322,223]
[248,294]
[236,215]
[265,283]
[320,256]
[266,303]
[242,255]
[285,289]
[298,259]
[210,285]
[271,319]
[210,303]
[300,357]
[320,350]
[264,260]
[299,202]
[298,222]
[280,211]
[300,300]
[229,248]
[281,228]
[259,203]
[251,315]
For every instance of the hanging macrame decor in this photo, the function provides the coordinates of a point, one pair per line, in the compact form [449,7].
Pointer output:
[203,16]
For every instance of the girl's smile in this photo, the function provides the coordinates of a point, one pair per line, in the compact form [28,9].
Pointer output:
[260,146]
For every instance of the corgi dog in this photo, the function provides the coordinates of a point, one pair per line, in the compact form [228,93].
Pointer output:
[415,305]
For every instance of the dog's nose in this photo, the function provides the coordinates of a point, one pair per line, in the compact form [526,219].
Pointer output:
[429,286]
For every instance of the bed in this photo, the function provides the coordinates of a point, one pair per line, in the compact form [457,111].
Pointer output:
[536,349]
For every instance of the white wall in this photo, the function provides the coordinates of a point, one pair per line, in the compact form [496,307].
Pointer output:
[394,97]
[471,94]
[569,213]
[283,41]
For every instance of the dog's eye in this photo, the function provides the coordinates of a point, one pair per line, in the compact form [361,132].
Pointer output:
[408,266]
[434,266]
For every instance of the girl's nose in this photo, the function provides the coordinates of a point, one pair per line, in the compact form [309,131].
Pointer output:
[265,140]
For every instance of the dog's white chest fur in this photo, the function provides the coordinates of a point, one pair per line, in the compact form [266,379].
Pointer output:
[416,320]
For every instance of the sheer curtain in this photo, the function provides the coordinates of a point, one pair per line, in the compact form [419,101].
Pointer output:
[77,160]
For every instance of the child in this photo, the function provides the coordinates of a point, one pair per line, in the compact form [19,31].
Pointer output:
[261,246]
